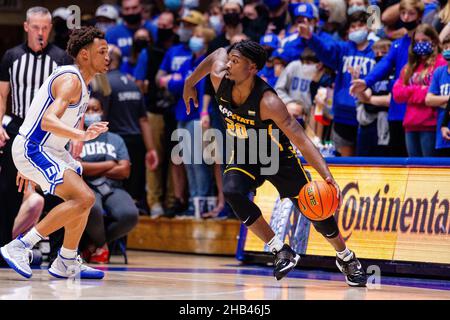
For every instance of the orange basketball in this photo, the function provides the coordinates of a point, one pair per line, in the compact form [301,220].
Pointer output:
[317,200]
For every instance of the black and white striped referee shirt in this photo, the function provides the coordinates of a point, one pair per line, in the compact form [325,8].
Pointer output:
[27,70]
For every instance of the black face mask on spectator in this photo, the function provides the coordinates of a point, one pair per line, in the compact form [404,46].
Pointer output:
[409,25]
[140,44]
[279,22]
[324,14]
[165,34]
[251,23]
[132,18]
[232,19]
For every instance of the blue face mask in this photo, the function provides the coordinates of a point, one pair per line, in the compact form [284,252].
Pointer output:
[173,5]
[185,34]
[196,44]
[354,9]
[446,54]
[424,48]
[216,23]
[358,36]
[90,118]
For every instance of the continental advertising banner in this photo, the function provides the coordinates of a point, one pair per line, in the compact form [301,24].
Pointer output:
[389,213]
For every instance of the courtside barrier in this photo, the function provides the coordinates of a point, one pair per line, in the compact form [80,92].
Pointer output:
[395,213]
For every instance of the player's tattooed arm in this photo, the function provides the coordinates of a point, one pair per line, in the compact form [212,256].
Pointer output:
[216,65]
[66,90]
[273,108]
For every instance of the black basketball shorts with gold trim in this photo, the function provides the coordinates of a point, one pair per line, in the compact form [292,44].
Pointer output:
[288,179]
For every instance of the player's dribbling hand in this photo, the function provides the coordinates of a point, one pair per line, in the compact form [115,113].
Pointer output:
[338,190]
[95,130]
[22,183]
[3,136]
[189,92]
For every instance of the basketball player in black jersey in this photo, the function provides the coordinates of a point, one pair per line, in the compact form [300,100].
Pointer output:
[247,102]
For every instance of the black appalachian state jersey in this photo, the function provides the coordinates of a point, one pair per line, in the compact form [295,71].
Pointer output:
[240,120]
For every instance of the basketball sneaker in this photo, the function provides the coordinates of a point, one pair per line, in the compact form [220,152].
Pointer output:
[64,268]
[285,260]
[18,255]
[355,276]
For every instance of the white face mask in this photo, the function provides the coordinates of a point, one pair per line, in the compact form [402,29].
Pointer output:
[185,34]
[309,70]
[216,23]
[90,118]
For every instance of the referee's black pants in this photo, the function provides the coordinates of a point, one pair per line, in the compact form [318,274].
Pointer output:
[10,198]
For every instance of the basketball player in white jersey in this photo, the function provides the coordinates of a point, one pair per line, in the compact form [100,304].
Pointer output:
[41,158]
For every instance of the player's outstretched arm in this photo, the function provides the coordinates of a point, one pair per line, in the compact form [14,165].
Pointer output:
[66,90]
[273,108]
[216,65]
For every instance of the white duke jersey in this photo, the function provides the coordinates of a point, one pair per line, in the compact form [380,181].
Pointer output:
[31,127]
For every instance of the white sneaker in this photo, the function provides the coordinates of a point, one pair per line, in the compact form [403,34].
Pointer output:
[156,210]
[70,268]
[17,255]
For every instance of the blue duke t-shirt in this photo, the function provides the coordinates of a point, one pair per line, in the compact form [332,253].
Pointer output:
[107,146]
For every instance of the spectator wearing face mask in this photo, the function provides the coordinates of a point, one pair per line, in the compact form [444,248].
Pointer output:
[127,117]
[215,18]
[343,56]
[363,5]
[141,40]
[293,86]
[170,65]
[373,131]
[106,164]
[160,193]
[277,14]
[255,20]
[199,174]
[270,43]
[438,96]
[333,18]
[411,88]
[121,35]
[410,14]
[106,17]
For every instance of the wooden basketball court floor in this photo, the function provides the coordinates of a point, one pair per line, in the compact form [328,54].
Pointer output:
[166,276]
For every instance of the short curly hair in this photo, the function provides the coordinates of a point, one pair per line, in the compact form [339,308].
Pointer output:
[80,38]
[251,50]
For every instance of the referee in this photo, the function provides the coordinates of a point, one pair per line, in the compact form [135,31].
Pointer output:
[23,69]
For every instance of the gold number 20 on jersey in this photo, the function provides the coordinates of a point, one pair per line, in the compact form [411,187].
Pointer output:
[236,129]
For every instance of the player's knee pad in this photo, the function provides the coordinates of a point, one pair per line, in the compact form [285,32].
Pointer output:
[328,227]
[243,207]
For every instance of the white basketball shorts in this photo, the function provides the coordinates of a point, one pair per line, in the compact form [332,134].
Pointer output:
[41,164]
